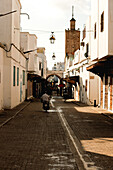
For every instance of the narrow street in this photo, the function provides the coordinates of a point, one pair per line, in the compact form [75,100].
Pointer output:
[70,136]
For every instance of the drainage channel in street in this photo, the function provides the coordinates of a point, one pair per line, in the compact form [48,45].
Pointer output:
[87,165]
[84,161]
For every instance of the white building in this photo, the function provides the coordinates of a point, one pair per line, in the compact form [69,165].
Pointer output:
[89,82]
[14,62]
[42,61]
[36,64]
[102,49]
[58,66]
[29,47]
[85,85]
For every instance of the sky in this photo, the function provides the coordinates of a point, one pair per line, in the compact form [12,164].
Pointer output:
[48,16]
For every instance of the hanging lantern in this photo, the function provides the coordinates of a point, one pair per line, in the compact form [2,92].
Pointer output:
[53,56]
[52,38]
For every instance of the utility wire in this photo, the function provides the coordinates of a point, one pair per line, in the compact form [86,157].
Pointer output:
[43,31]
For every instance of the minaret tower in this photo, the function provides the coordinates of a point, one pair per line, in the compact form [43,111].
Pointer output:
[72,21]
[72,39]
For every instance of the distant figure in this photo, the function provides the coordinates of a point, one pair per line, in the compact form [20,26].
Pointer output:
[57,91]
[45,99]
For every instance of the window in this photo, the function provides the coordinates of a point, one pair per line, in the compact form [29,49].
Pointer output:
[40,65]
[42,72]
[17,76]
[87,47]
[102,22]
[14,76]
[95,29]
[82,69]
[87,50]
[23,77]
[84,32]
[86,85]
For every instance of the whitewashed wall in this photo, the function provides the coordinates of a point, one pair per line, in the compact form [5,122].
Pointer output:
[110,27]
[102,45]
[10,33]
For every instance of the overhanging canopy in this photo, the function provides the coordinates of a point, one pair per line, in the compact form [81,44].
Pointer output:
[36,77]
[72,79]
[103,65]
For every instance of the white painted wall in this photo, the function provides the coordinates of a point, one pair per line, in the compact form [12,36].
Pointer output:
[10,24]
[76,57]
[32,56]
[42,58]
[104,92]
[94,88]
[92,92]
[102,45]
[110,27]
[108,92]
[94,19]
[29,42]
[18,92]
[103,36]
[86,40]
[10,33]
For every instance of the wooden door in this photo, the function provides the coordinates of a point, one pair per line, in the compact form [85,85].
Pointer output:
[101,92]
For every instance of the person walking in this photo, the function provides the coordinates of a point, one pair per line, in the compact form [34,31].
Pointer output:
[45,99]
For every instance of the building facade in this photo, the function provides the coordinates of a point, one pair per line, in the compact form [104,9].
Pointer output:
[58,66]
[36,64]
[102,50]
[72,42]
[14,61]
[84,84]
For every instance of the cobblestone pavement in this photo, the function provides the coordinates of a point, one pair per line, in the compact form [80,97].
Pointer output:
[34,140]
[94,131]
[7,115]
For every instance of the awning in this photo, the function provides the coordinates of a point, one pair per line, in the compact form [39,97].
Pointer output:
[72,79]
[102,66]
[33,76]
[61,85]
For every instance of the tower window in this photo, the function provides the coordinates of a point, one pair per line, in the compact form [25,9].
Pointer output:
[84,32]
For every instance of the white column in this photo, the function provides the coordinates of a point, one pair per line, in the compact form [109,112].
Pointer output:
[108,93]
[104,92]
[112,94]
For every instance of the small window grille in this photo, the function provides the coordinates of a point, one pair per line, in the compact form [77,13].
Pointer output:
[17,76]
[95,29]
[23,77]
[14,76]
[102,22]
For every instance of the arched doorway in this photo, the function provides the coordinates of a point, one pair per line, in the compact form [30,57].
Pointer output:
[54,81]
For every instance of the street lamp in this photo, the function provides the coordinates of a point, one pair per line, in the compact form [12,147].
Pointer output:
[1,15]
[52,38]
[53,56]
[25,14]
